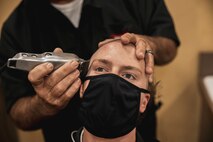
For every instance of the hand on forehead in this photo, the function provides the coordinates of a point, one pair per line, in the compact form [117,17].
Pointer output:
[113,49]
[114,57]
[110,45]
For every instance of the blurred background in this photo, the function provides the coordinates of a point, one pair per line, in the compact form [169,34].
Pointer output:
[185,115]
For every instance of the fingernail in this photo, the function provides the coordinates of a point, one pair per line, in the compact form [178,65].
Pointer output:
[74,63]
[49,65]
[141,55]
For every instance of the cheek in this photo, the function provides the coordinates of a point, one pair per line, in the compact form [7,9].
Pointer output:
[141,82]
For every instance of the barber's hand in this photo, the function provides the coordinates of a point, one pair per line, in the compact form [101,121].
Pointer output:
[54,89]
[144,50]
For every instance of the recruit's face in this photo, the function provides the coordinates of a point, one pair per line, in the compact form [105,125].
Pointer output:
[119,59]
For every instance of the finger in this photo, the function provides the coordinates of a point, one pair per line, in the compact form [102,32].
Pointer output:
[128,38]
[107,41]
[149,60]
[61,73]
[62,86]
[140,49]
[58,50]
[36,75]
[138,42]
[73,89]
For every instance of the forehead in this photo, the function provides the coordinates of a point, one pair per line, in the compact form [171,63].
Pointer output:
[119,54]
[114,47]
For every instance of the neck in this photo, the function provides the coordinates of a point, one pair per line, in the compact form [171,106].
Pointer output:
[61,1]
[130,137]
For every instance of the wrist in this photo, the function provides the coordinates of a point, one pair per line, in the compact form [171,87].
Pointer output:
[43,108]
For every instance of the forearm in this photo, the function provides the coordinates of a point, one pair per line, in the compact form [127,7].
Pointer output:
[28,113]
[165,49]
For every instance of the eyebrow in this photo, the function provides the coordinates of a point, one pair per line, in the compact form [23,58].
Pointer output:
[104,61]
[131,68]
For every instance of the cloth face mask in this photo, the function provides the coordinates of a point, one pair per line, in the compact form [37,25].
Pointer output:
[110,106]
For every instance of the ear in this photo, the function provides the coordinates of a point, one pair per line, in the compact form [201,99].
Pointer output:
[83,88]
[144,101]
[81,91]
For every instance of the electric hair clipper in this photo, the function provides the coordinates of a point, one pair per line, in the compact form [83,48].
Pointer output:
[27,61]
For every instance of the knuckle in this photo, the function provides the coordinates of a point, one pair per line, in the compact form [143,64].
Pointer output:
[127,35]
[40,69]
[142,42]
[64,69]
[47,100]
[59,74]
[41,93]
[73,76]
[49,83]
[75,86]
[57,103]
[58,90]
[73,89]
[30,77]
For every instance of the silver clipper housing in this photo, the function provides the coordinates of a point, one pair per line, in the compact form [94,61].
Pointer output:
[27,61]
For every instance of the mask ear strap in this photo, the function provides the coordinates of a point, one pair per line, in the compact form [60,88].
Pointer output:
[86,78]
[145,91]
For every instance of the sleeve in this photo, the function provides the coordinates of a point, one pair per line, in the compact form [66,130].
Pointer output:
[7,42]
[14,83]
[157,20]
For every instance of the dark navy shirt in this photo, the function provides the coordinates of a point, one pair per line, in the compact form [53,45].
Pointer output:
[35,26]
[76,136]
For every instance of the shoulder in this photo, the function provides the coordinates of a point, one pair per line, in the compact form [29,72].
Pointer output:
[140,139]
[23,13]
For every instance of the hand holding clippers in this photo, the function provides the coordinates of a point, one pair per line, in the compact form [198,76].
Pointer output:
[27,61]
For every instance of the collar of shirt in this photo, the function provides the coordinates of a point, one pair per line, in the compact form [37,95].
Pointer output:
[71,10]
[77,136]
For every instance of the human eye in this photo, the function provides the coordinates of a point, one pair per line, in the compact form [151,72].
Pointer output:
[129,76]
[100,69]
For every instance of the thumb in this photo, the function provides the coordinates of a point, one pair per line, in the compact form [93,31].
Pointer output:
[58,50]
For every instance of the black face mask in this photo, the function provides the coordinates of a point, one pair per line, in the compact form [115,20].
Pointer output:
[110,106]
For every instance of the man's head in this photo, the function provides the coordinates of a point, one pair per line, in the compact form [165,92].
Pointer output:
[116,58]
[115,91]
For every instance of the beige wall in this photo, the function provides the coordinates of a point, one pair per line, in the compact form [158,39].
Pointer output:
[5,8]
[179,117]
